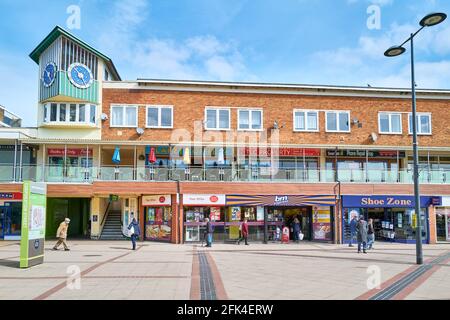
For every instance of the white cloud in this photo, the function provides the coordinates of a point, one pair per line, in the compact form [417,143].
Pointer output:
[365,63]
[198,57]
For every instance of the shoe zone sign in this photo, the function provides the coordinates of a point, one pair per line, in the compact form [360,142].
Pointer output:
[34,205]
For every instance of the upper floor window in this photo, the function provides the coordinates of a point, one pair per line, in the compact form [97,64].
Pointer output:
[390,123]
[159,117]
[217,118]
[106,75]
[249,119]
[337,121]
[423,123]
[70,113]
[124,116]
[306,120]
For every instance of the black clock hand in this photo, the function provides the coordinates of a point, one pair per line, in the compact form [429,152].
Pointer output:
[82,78]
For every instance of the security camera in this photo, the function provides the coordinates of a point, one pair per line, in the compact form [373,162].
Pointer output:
[374,137]
[140,131]
[104,117]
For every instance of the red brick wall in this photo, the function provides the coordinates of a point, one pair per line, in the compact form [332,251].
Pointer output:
[190,106]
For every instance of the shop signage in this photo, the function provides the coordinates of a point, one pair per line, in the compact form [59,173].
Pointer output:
[11,147]
[113,197]
[282,152]
[280,200]
[11,196]
[285,235]
[383,201]
[445,201]
[33,224]
[157,200]
[362,153]
[214,214]
[70,152]
[259,213]
[204,199]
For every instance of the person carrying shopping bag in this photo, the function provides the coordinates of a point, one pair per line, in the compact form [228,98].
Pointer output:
[135,231]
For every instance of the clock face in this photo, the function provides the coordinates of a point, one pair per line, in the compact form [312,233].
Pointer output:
[49,74]
[80,75]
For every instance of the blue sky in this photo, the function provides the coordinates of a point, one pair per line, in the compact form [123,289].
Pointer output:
[287,41]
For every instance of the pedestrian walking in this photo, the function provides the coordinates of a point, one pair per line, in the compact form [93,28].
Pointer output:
[135,231]
[61,234]
[209,233]
[361,233]
[353,224]
[370,235]
[296,229]
[244,230]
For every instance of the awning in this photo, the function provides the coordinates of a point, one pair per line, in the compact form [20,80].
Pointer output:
[280,200]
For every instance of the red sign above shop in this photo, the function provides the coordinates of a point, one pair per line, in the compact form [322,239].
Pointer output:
[282,152]
[11,196]
[71,152]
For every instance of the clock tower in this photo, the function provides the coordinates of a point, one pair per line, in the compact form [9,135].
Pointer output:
[71,74]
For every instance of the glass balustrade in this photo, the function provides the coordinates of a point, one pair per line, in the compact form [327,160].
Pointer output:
[71,174]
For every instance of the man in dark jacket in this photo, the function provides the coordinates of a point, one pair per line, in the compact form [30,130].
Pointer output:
[209,233]
[244,230]
[361,233]
[353,224]
[136,231]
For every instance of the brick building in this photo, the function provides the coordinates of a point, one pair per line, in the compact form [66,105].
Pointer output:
[176,152]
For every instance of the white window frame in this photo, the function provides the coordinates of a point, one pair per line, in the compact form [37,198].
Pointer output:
[87,114]
[419,114]
[124,106]
[390,114]
[306,120]
[250,118]
[159,107]
[337,121]
[217,118]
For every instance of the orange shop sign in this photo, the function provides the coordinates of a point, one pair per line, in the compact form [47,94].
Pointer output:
[156,200]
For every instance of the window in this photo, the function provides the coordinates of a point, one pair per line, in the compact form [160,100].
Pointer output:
[159,116]
[305,120]
[70,113]
[423,123]
[93,114]
[390,123]
[53,111]
[73,112]
[217,119]
[123,116]
[106,75]
[45,112]
[249,119]
[337,121]
[82,113]
[62,113]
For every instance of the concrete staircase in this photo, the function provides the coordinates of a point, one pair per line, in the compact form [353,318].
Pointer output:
[112,229]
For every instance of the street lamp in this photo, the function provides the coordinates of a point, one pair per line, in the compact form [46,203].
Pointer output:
[429,20]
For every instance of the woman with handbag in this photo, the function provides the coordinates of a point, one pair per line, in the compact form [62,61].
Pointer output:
[134,231]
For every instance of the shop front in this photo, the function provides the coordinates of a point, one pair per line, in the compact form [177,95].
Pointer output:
[315,214]
[198,207]
[10,215]
[394,217]
[443,220]
[158,217]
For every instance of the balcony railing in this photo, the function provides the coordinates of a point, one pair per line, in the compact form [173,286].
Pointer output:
[71,174]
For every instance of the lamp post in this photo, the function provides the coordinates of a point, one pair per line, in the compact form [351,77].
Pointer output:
[428,21]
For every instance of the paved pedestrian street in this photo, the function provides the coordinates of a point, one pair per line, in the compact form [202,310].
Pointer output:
[110,270]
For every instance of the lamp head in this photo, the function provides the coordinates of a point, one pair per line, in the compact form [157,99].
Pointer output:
[433,19]
[394,51]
